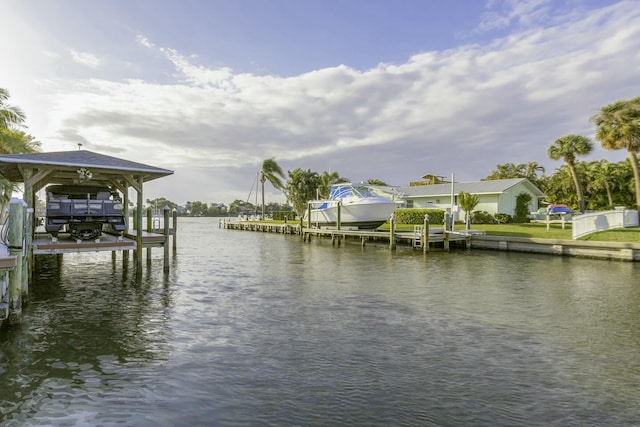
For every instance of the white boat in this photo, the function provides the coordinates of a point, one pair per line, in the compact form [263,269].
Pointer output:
[361,206]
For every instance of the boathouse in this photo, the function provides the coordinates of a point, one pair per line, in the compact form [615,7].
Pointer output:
[37,170]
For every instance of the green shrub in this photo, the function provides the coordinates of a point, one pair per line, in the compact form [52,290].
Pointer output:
[503,218]
[482,217]
[522,208]
[416,216]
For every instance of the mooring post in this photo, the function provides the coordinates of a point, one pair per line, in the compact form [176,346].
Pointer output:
[167,209]
[338,216]
[392,230]
[175,230]
[149,220]
[16,238]
[425,235]
[149,230]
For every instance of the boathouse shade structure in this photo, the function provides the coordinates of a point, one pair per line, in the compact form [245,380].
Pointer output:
[37,170]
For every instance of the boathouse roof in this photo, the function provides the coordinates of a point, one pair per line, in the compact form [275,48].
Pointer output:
[497,186]
[64,167]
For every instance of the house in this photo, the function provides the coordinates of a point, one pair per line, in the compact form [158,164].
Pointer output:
[497,196]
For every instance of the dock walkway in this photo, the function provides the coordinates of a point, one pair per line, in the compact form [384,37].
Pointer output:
[411,238]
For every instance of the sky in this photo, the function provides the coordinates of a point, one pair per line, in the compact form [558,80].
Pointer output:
[371,89]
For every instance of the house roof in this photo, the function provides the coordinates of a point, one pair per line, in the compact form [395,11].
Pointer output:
[63,167]
[497,186]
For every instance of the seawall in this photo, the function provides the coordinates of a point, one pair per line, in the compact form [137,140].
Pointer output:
[588,249]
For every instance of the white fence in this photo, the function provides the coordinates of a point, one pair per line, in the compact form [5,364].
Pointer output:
[605,220]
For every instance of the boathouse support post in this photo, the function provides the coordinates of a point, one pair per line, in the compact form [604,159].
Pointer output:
[30,222]
[425,235]
[139,228]
[392,230]
[16,240]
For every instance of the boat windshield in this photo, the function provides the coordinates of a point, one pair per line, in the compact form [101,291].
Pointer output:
[342,191]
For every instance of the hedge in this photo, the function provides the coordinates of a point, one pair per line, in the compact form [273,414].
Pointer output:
[416,216]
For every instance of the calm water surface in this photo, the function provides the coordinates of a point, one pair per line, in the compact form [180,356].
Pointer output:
[262,329]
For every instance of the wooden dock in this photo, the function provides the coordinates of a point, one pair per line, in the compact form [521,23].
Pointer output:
[415,238]
[44,243]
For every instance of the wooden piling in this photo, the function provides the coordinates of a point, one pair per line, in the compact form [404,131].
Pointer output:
[149,230]
[425,234]
[167,209]
[17,278]
[175,230]
[392,230]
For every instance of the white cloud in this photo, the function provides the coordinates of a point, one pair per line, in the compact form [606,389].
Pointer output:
[84,58]
[463,110]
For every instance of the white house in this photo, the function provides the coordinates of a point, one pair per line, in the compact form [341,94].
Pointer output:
[497,196]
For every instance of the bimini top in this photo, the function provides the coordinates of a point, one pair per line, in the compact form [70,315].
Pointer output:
[65,167]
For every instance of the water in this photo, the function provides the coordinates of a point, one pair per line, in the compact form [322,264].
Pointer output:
[256,329]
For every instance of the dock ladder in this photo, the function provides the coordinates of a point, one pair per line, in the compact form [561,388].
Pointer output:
[417,236]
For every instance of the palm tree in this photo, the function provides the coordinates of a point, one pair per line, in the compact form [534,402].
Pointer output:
[327,179]
[12,140]
[617,128]
[271,172]
[603,175]
[532,169]
[567,148]
[508,171]
[467,203]
[9,116]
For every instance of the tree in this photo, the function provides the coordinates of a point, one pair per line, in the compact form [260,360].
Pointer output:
[327,179]
[532,169]
[10,117]
[380,182]
[603,176]
[240,207]
[508,171]
[12,140]
[159,204]
[467,202]
[617,128]
[301,188]
[567,148]
[271,172]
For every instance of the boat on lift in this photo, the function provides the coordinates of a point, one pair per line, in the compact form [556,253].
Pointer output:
[361,206]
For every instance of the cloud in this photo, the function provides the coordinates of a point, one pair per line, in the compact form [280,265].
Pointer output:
[84,58]
[463,110]
[524,13]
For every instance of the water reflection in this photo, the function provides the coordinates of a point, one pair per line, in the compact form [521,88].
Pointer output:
[262,329]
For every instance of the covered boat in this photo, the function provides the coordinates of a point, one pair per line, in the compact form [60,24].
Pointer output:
[361,206]
[558,209]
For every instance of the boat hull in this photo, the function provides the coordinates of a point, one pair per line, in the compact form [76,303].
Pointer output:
[360,215]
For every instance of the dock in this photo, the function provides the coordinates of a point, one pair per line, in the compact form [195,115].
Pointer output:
[415,238]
